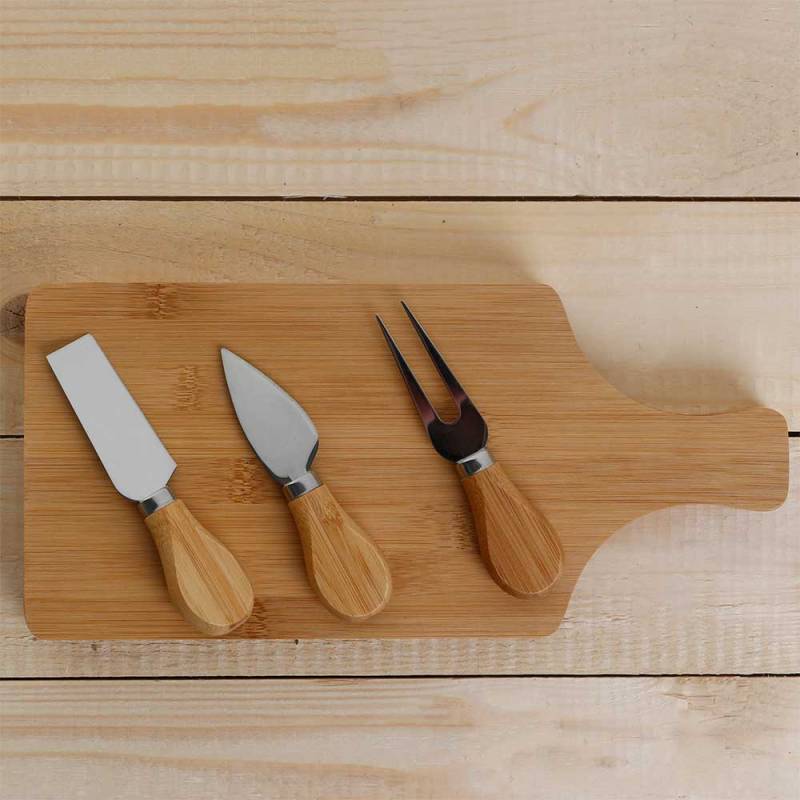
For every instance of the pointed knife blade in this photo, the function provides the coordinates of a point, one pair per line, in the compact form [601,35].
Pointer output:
[128,447]
[276,425]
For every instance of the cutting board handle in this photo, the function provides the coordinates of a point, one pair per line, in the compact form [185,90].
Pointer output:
[518,545]
[344,566]
[204,580]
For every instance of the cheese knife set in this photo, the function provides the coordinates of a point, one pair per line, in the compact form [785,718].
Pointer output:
[412,559]
[343,564]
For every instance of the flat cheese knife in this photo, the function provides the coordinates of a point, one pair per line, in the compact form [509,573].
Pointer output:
[203,578]
[344,566]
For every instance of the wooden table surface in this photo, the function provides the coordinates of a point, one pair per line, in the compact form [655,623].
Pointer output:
[679,678]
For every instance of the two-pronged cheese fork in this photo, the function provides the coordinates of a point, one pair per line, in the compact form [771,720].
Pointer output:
[519,546]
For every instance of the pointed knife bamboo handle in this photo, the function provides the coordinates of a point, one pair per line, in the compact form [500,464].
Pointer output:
[344,566]
[204,580]
[518,545]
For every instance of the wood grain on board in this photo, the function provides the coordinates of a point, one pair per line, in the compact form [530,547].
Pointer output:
[417,98]
[683,306]
[589,457]
[501,739]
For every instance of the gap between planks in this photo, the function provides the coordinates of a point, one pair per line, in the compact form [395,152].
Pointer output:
[407,676]
[401,198]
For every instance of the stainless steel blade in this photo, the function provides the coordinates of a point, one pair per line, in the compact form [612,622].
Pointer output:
[134,458]
[275,424]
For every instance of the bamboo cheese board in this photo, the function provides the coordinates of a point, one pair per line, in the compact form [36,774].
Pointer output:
[591,458]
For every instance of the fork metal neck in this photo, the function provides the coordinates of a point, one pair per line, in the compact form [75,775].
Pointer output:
[477,462]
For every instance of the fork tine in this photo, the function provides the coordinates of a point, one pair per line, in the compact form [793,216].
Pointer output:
[450,380]
[426,411]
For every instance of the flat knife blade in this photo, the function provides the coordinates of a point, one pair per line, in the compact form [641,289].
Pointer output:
[128,447]
[276,425]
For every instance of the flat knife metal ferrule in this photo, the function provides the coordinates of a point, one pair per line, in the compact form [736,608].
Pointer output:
[162,498]
[204,580]
[343,564]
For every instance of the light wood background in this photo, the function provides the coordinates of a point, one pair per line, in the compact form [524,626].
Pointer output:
[512,739]
[426,97]
[687,306]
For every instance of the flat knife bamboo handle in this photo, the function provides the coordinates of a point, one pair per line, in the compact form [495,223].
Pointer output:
[344,566]
[204,580]
[518,545]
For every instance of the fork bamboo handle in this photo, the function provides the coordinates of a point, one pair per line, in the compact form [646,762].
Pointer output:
[204,580]
[343,564]
[518,545]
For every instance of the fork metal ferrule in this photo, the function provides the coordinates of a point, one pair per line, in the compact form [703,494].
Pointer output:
[301,485]
[477,462]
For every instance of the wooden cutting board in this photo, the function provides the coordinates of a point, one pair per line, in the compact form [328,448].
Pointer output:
[590,457]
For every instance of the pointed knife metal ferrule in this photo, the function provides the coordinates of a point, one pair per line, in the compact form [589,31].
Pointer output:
[163,497]
[301,485]
[477,462]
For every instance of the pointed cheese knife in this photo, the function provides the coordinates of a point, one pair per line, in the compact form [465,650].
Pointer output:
[204,580]
[344,566]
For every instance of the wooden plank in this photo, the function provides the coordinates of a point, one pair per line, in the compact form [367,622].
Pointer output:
[589,457]
[620,739]
[714,591]
[683,306]
[427,98]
